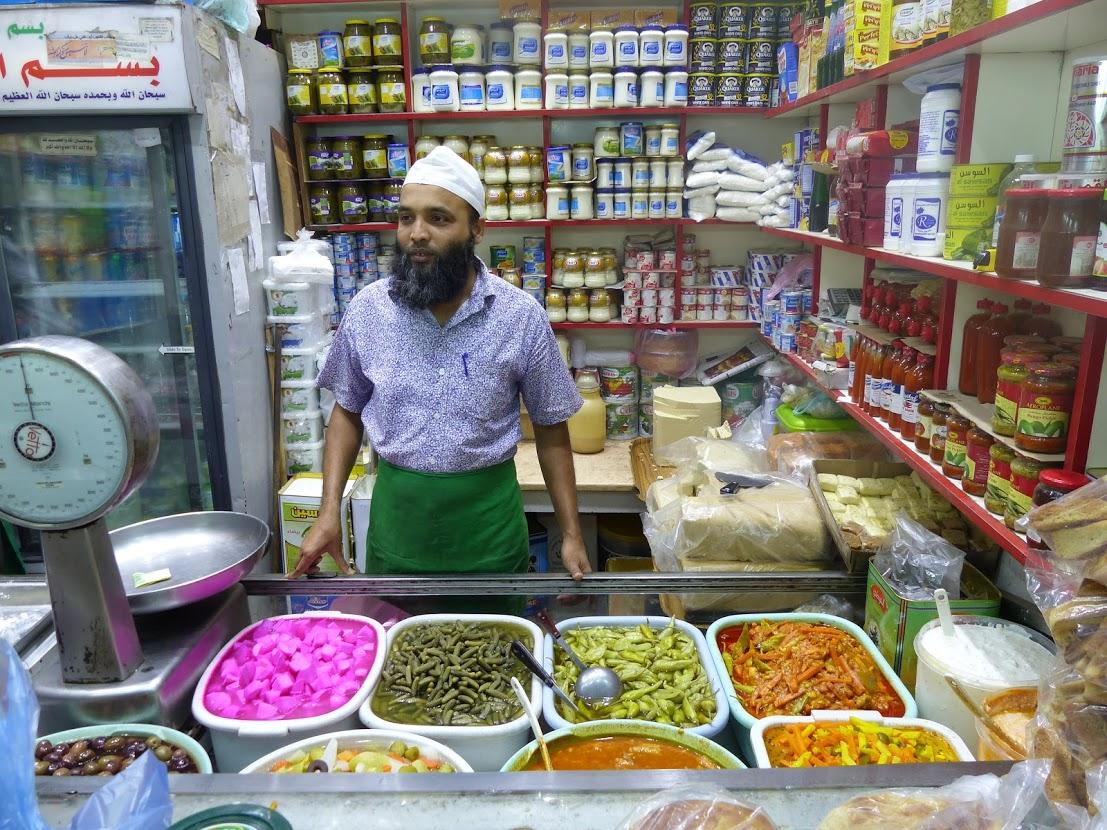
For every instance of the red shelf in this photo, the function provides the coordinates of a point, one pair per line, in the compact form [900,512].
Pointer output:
[494,115]
[539,223]
[678,324]
[391,226]
[1086,301]
[694,111]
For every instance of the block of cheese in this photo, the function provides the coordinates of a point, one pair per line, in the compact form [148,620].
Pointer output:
[680,412]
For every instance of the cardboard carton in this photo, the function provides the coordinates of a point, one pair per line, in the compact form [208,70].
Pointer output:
[520,10]
[298,502]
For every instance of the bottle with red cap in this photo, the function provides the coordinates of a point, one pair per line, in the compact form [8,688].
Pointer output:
[988,357]
[1052,484]
[1042,324]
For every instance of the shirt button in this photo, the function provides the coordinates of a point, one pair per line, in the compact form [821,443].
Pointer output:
[437,415]
[432,460]
[441,371]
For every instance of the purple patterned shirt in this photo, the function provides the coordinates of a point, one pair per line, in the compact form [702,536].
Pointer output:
[446,399]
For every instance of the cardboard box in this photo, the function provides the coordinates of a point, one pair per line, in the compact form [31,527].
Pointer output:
[868,25]
[787,65]
[298,502]
[520,10]
[302,51]
[570,20]
[892,621]
[612,18]
[655,17]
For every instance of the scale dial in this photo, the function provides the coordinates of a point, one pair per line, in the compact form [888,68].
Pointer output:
[78,432]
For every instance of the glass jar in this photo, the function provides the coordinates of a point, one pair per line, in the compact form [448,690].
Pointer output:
[557,202]
[670,140]
[537,161]
[353,206]
[1009,377]
[1020,233]
[478,146]
[392,199]
[938,434]
[957,440]
[577,306]
[555,305]
[361,90]
[495,166]
[300,93]
[581,204]
[1020,496]
[977,461]
[388,47]
[518,165]
[374,155]
[558,261]
[318,152]
[599,306]
[323,203]
[1000,457]
[458,143]
[374,194]
[424,144]
[537,201]
[434,41]
[1069,237]
[346,157]
[606,142]
[1052,485]
[511,276]
[357,43]
[1045,407]
[495,201]
[518,203]
[467,45]
[924,427]
[391,89]
[331,89]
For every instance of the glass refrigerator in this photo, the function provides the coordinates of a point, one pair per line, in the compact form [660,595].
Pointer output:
[110,230]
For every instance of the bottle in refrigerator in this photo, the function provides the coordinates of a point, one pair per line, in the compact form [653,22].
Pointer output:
[966,382]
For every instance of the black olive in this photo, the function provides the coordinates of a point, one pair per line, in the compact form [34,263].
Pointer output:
[114,743]
[42,767]
[111,767]
[85,755]
[318,766]
[50,769]
[180,764]
[60,771]
[98,743]
[42,749]
[55,755]
[80,746]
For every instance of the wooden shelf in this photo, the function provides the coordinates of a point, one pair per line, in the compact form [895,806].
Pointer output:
[1085,300]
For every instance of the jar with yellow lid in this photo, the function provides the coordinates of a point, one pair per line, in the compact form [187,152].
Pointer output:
[388,47]
[458,143]
[495,166]
[495,203]
[361,90]
[555,305]
[331,88]
[537,164]
[518,165]
[537,201]
[512,276]
[434,41]
[577,306]
[357,43]
[391,89]
[518,203]
[300,92]
[374,156]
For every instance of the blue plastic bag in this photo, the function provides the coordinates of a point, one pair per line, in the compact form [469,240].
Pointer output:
[135,799]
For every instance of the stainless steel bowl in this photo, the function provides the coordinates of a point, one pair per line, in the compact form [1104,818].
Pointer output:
[205,552]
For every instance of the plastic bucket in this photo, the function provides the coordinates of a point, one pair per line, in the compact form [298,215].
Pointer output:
[85,733]
[977,675]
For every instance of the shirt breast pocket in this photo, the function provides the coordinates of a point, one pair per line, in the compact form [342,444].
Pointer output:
[482,397]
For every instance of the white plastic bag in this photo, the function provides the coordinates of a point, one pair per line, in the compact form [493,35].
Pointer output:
[697,143]
[696,808]
[738,198]
[736,181]
[701,208]
[694,181]
[303,263]
[737,214]
[712,166]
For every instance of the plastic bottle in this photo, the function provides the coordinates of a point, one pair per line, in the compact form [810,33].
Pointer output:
[588,427]
[1042,324]
[1020,317]
[1024,164]
[990,340]
[887,370]
[939,116]
[928,214]
[921,376]
[900,366]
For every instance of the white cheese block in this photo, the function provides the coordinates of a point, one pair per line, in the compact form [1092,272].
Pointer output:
[681,412]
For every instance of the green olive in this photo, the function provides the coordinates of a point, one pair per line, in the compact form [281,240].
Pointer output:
[397,747]
[114,744]
[42,767]
[153,742]
[163,752]
[412,753]
[407,768]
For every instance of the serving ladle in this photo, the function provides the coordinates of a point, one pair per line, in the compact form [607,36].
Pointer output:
[535,668]
[596,685]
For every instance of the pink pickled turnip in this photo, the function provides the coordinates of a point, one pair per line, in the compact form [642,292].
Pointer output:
[299,662]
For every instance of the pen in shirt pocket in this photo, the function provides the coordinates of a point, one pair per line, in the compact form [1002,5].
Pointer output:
[465,363]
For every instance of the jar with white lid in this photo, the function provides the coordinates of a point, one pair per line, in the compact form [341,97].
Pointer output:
[601,48]
[467,45]
[651,46]
[653,139]
[939,115]
[601,93]
[676,88]
[557,202]
[578,50]
[528,89]
[557,91]
[555,50]
[676,46]
[659,179]
[604,202]
[657,204]
[444,92]
[501,43]
[581,205]
[421,91]
[651,87]
[578,92]
[500,83]
[674,177]
[495,203]
[606,142]
[639,204]
[526,42]
[640,174]
[928,214]
[604,171]
[471,89]
[673,204]
[670,140]
[424,144]
[519,203]
[584,166]
[626,46]
[621,173]
[620,203]
[626,88]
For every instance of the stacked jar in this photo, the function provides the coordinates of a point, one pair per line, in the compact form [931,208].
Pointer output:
[649,284]
[733,48]
[513,183]
[638,172]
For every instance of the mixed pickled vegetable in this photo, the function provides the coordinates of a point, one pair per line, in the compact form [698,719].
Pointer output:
[452,674]
[794,668]
[395,757]
[107,755]
[664,680]
[854,743]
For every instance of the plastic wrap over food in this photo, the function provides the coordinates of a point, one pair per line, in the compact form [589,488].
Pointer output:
[793,452]
[667,351]
[713,454]
[1071,731]
[1075,529]
[835,606]
[979,802]
[917,562]
[303,263]
[696,808]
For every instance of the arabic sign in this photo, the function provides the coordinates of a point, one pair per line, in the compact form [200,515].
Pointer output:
[91,60]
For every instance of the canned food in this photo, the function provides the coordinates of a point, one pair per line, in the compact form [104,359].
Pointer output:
[787,343]
[761,57]
[730,89]
[664,315]
[701,89]
[705,51]
[647,315]
[791,302]
[649,296]
[734,19]
[758,90]
[732,54]
[702,20]
[666,259]
[629,313]
[687,313]
[705,313]
[666,297]
[762,21]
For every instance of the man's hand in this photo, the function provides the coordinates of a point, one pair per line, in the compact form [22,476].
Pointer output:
[323,538]
[575,557]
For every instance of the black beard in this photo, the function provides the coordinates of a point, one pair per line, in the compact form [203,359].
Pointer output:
[419,285]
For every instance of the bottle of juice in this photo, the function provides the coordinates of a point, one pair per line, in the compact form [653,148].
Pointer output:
[966,382]
[887,372]
[903,364]
[588,427]
[988,352]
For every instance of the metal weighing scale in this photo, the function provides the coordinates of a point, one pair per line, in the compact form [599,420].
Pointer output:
[78,434]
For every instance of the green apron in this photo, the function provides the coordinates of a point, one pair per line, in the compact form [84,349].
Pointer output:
[473,522]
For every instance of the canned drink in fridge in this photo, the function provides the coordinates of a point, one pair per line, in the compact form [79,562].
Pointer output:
[50,268]
[134,266]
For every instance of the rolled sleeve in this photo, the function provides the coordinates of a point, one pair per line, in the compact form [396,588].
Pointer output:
[548,390]
[343,373]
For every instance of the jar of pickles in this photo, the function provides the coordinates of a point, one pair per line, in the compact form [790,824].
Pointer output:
[357,43]
[318,151]
[374,156]
[391,89]
[300,92]
[938,435]
[599,306]
[1000,457]
[323,204]
[573,275]
[388,47]
[577,306]
[1020,496]
[1009,378]
[346,161]
[496,203]
[361,90]
[1045,407]
[353,206]
[392,199]
[495,166]
[555,305]
[331,89]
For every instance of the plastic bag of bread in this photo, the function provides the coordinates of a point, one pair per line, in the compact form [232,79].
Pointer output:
[793,452]
[978,802]
[1071,731]
[696,808]
[1075,529]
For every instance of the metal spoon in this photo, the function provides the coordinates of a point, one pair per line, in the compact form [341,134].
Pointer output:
[596,685]
[529,660]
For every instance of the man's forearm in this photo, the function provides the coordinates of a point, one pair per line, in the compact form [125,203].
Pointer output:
[555,457]
[340,449]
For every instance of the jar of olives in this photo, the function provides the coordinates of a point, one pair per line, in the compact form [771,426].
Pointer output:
[392,199]
[577,306]
[323,204]
[300,93]
[331,88]
[375,156]
[346,157]
[353,205]
[318,151]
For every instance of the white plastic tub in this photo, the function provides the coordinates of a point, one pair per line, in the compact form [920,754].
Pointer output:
[237,743]
[362,739]
[722,712]
[742,720]
[299,396]
[300,330]
[299,363]
[761,753]
[304,458]
[486,748]
[288,299]
[302,427]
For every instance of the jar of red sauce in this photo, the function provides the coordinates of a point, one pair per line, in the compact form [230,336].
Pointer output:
[938,436]
[1045,408]
[1068,239]
[1052,484]
[977,459]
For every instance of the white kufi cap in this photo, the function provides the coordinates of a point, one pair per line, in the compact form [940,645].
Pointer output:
[444,168]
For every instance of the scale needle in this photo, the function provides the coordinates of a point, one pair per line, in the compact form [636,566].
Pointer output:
[26,387]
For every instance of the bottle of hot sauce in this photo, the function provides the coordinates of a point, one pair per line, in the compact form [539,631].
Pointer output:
[902,365]
[860,373]
[1021,316]
[966,383]
[876,380]
[920,377]
[990,345]
[927,319]
[887,369]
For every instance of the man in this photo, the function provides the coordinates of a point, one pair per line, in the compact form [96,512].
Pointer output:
[431,363]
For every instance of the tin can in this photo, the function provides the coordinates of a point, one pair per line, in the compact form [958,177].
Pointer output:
[622,421]
[758,90]
[687,296]
[647,314]
[687,313]
[704,313]
[761,57]
[732,54]
[721,296]
[701,89]
[651,280]
[791,302]
[705,296]
[734,19]
[704,52]
[502,256]
[632,279]
[787,343]
[646,260]
[762,21]
[666,297]
[645,410]
[808,301]
[702,19]
[345,282]
[719,313]
[629,313]
[632,296]
[667,259]
[619,383]
[1085,145]
[665,314]
[730,89]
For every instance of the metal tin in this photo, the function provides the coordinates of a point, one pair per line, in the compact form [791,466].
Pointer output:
[758,90]
[763,21]
[704,52]
[732,54]
[702,19]
[734,19]
[791,302]
[730,89]
[761,57]
[1085,146]
[701,89]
